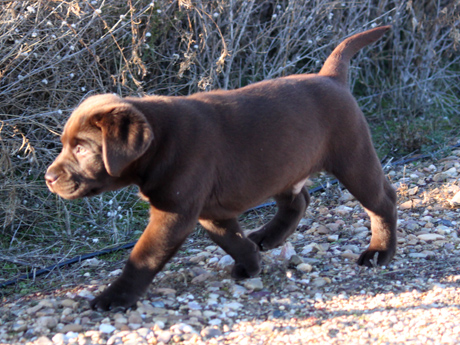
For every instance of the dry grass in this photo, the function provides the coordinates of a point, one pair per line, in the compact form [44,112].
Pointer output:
[56,53]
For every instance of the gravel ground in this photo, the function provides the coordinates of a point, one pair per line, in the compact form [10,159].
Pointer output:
[310,290]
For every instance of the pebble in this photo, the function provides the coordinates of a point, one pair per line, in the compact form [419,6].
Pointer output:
[164,337]
[47,321]
[73,327]
[304,267]
[319,282]
[343,210]
[455,201]
[210,332]
[333,238]
[255,284]
[430,237]
[349,255]
[106,328]
[225,261]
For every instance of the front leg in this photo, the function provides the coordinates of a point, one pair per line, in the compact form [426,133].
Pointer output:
[163,236]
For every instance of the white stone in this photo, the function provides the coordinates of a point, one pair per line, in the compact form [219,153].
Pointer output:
[106,328]
[456,199]
[215,322]
[333,238]
[254,284]
[343,210]
[310,248]
[115,273]
[182,328]
[304,267]
[225,261]
[431,237]
[233,305]
[287,251]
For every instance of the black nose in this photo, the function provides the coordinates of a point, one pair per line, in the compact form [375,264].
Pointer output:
[50,177]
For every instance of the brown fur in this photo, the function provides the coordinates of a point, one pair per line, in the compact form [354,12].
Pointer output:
[210,156]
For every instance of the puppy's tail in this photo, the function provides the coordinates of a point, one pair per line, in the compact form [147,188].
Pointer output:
[336,65]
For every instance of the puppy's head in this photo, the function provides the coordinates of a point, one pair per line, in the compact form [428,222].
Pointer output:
[102,137]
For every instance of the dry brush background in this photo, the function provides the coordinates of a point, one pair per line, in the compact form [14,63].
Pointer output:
[55,53]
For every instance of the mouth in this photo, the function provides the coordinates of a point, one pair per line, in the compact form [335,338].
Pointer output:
[71,191]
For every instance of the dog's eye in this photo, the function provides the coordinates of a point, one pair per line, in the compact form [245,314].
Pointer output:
[80,150]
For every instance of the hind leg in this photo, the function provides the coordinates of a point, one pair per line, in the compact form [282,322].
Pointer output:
[291,209]
[366,181]
[230,237]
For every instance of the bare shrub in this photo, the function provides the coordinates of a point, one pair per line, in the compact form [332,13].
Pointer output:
[56,53]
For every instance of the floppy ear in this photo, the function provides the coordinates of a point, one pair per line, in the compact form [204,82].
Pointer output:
[126,135]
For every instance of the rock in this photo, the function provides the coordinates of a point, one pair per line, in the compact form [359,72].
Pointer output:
[430,237]
[254,284]
[72,327]
[349,255]
[86,294]
[238,290]
[412,225]
[333,238]
[304,267]
[334,226]
[210,332]
[295,260]
[287,251]
[411,204]
[43,340]
[165,291]
[215,322]
[346,196]
[343,210]
[304,222]
[351,247]
[225,261]
[58,338]
[20,326]
[209,313]
[68,303]
[267,326]
[417,255]
[455,201]
[182,328]
[414,190]
[319,282]
[164,337]
[452,172]
[440,177]
[360,229]
[322,230]
[115,273]
[71,335]
[106,328]
[135,318]
[160,324]
[233,306]
[211,248]
[310,248]
[194,305]
[47,321]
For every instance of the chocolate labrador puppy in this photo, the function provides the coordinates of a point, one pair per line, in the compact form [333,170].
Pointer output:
[210,156]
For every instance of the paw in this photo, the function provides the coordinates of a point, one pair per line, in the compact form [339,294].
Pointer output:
[263,241]
[247,268]
[241,271]
[115,296]
[372,258]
